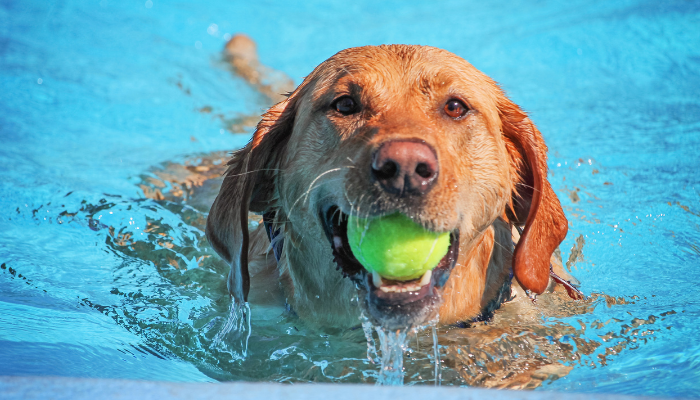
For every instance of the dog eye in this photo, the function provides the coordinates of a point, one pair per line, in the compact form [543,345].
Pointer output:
[455,108]
[345,105]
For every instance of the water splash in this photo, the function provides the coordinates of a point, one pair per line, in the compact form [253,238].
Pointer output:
[392,345]
[235,333]
[367,326]
[436,352]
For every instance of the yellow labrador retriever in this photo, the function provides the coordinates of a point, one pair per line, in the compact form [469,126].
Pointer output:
[374,131]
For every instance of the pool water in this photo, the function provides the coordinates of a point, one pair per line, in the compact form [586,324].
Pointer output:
[101,101]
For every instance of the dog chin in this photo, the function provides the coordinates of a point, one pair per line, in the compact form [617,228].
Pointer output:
[389,303]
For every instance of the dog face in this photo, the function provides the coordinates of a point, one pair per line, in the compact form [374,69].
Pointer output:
[375,131]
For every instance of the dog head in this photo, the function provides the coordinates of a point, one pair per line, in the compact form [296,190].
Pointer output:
[374,131]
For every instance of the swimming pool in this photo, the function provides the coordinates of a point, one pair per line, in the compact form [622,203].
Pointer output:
[98,280]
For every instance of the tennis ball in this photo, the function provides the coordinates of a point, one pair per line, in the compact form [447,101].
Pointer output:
[396,247]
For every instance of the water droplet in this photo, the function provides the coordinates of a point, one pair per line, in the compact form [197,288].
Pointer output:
[213,29]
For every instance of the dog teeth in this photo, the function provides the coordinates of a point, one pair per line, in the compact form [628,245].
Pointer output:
[337,242]
[377,280]
[426,278]
[379,283]
[399,289]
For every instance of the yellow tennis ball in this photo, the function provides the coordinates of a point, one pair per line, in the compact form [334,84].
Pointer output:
[396,247]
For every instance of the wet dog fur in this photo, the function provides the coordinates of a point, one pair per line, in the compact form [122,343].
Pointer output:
[306,156]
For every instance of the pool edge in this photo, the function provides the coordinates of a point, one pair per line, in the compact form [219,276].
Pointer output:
[28,387]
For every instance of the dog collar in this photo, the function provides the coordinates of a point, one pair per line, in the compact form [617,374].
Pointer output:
[272,233]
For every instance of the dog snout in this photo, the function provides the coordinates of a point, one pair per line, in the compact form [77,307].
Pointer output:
[405,167]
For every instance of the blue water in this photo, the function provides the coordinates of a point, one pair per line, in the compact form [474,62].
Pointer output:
[95,95]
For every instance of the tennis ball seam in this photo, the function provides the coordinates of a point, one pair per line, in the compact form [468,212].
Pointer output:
[431,250]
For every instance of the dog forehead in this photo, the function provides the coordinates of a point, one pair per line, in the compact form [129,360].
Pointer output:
[396,56]
[393,78]
[396,69]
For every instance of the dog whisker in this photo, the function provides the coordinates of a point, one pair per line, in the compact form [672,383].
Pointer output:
[227,175]
[306,194]
[319,177]
[316,187]
[507,250]
[345,194]
[359,204]
[527,186]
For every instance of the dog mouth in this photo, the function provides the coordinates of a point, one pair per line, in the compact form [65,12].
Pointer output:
[391,303]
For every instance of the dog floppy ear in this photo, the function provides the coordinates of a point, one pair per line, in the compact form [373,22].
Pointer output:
[534,203]
[249,185]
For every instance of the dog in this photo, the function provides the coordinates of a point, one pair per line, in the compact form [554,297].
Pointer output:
[388,129]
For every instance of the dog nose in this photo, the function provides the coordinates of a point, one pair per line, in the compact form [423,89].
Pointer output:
[405,167]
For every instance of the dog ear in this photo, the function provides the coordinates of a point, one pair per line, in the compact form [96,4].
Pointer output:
[534,203]
[249,185]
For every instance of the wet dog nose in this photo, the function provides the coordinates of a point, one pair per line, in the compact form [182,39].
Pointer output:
[405,167]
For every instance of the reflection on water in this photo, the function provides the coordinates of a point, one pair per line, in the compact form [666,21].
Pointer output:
[171,290]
